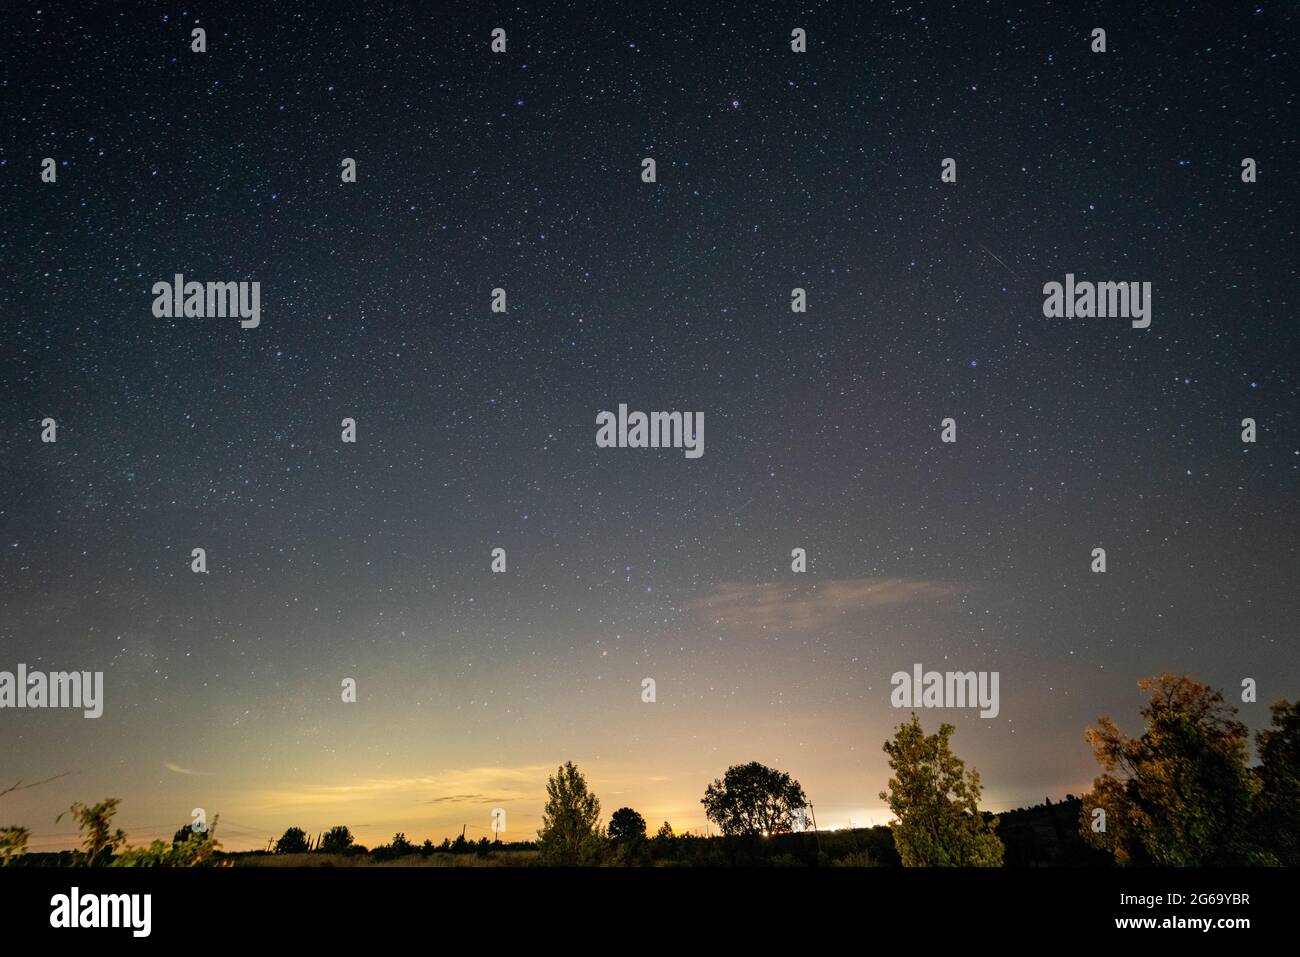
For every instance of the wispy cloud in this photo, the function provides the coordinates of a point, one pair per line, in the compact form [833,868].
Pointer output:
[180,770]
[465,799]
[466,785]
[790,607]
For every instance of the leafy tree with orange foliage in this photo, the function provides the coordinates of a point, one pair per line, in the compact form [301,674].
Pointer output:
[1181,794]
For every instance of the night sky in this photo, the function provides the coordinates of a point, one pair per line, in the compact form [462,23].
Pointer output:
[476,429]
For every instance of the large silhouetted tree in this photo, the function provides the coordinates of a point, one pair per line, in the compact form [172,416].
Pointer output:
[293,841]
[626,825]
[752,799]
[337,840]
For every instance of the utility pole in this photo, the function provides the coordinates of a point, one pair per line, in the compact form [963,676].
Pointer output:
[816,833]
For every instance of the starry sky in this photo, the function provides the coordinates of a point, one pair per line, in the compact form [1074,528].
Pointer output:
[476,430]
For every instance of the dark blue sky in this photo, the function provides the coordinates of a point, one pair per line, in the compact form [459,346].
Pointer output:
[477,430]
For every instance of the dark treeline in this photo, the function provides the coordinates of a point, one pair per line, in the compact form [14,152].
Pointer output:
[1042,835]
[1182,793]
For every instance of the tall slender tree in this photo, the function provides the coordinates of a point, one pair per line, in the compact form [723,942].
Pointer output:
[936,802]
[570,833]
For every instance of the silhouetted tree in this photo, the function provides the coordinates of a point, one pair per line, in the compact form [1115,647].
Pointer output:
[570,833]
[293,841]
[936,802]
[337,840]
[1181,794]
[399,847]
[626,825]
[665,831]
[1277,821]
[752,799]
